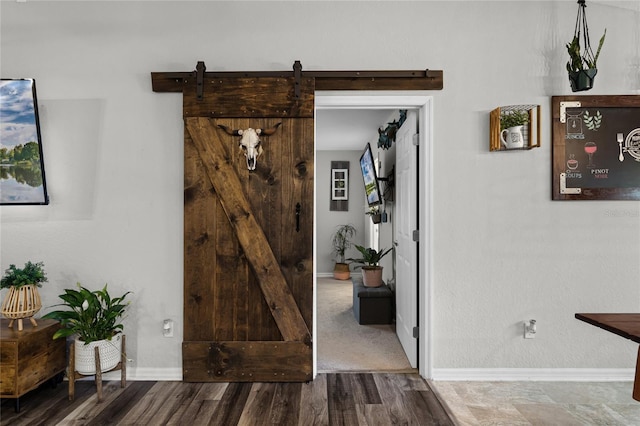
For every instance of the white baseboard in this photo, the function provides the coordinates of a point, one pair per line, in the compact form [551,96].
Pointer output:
[534,374]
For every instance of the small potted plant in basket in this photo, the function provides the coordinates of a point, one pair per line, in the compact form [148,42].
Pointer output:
[23,300]
[341,242]
[94,317]
[371,270]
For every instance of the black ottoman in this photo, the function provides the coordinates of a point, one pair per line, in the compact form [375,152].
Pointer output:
[371,305]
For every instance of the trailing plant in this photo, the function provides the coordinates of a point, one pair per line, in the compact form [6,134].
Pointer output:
[370,257]
[32,273]
[92,315]
[341,240]
[513,118]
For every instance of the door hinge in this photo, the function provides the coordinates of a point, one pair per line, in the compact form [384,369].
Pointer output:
[416,235]
[416,332]
[416,140]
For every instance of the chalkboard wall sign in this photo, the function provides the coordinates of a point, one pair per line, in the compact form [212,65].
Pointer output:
[596,147]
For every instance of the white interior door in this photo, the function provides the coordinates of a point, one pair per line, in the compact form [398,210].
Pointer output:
[406,248]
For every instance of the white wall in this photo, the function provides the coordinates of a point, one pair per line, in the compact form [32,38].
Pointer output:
[503,251]
[327,220]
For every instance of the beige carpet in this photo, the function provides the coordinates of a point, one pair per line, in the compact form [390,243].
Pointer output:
[345,345]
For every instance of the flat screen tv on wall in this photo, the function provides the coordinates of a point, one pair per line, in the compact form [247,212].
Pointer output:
[370,177]
[22,178]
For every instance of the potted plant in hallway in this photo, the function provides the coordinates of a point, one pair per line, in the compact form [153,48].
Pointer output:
[341,242]
[94,317]
[371,270]
[23,300]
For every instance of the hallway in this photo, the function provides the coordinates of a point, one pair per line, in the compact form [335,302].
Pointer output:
[346,346]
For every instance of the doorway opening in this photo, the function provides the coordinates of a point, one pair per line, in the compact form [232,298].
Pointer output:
[422,103]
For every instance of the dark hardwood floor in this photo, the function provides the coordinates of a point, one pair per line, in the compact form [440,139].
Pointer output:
[331,399]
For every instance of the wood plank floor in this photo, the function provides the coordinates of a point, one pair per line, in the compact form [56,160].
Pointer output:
[331,399]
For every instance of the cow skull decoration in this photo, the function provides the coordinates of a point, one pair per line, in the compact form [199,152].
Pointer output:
[250,143]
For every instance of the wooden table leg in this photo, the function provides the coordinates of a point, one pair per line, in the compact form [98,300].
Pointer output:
[72,371]
[636,382]
[98,374]
[123,363]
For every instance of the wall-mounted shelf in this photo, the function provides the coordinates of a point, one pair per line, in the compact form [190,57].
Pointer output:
[530,131]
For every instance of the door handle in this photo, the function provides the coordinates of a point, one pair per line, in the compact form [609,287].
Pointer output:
[298,208]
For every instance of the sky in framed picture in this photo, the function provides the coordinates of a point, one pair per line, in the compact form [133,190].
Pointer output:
[22,179]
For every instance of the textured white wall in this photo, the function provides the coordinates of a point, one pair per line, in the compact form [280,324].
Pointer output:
[503,252]
[327,220]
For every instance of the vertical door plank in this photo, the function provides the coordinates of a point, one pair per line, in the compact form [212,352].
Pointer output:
[200,240]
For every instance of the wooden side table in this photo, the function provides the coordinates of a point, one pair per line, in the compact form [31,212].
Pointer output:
[30,357]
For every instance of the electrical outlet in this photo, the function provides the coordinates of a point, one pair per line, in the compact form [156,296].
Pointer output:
[530,329]
[167,328]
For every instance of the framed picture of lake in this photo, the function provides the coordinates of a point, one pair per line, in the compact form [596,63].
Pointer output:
[22,179]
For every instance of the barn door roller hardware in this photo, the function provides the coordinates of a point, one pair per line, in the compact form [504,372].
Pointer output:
[200,69]
[324,80]
[297,76]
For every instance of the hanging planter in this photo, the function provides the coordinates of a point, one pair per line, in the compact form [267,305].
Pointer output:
[582,80]
[582,62]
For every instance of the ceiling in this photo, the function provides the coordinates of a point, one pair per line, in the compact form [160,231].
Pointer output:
[348,129]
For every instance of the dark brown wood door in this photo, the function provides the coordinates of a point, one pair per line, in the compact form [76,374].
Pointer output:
[248,235]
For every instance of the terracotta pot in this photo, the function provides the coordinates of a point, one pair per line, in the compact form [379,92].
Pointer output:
[372,276]
[341,271]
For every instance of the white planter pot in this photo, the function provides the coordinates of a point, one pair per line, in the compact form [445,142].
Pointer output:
[110,354]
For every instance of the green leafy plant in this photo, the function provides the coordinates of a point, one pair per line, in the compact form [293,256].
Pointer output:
[32,273]
[513,118]
[370,257]
[579,60]
[374,210]
[341,240]
[93,315]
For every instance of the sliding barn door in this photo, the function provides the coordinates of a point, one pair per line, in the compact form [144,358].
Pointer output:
[248,283]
